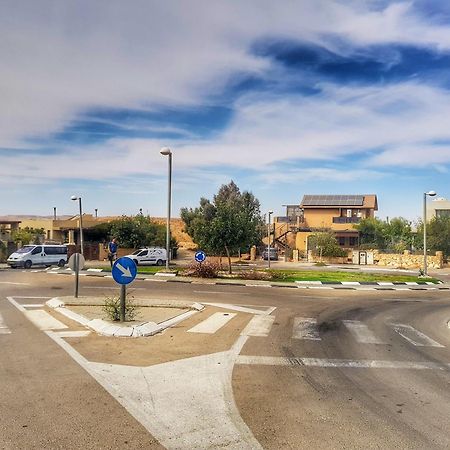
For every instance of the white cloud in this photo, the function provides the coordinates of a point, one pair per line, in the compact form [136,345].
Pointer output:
[58,59]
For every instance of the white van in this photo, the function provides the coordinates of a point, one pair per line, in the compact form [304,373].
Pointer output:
[149,256]
[38,255]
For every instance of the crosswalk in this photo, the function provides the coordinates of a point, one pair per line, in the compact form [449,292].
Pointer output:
[3,328]
[308,329]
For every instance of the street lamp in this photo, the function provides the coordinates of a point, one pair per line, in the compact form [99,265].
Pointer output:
[75,198]
[430,194]
[268,238]
[165,151]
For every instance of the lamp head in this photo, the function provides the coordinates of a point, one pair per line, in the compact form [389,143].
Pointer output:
[431,193]
[74,197]
[165,151]
[270,212]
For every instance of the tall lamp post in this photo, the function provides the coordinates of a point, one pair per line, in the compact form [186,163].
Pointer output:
[167,152]
[430,194]
[268,239]
[75,198]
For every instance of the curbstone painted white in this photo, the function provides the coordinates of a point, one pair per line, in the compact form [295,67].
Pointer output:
[165,274]
[55,303]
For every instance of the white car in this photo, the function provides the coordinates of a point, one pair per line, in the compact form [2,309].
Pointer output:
[149,256]
[38,255]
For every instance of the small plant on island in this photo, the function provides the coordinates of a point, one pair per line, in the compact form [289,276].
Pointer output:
[205,269]
[112,308]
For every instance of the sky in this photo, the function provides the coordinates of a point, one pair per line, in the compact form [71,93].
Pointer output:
[285,98]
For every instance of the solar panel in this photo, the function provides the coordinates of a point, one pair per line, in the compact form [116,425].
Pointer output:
[333,200]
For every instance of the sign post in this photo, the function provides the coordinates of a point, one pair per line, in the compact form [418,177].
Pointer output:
[200,256]
[124,271]
[76,263]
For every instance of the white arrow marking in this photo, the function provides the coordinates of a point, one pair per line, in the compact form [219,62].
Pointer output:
[125,272]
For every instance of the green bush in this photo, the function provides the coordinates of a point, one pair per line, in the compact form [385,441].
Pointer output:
[112,308]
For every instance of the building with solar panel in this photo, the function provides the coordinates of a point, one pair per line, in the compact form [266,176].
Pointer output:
[338,213]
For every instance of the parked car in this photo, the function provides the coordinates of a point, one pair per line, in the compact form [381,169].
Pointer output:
[273,254]
[149,256]
[38,255]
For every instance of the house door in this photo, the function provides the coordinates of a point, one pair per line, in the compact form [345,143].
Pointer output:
[363,258]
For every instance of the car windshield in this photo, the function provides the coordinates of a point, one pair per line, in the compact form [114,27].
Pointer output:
[137,252]
[25,249]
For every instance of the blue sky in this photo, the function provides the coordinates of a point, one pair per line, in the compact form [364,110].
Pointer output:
[286,99]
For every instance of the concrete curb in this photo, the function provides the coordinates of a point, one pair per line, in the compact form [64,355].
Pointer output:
[109,329]
[352,285]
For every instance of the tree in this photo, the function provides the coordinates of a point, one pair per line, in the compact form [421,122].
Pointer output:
[372,232]
[232,221]
[27,235]
[438,235]
[325,244]
[139,231]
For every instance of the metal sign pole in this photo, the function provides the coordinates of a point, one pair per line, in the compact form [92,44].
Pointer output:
[123,294]
[77,269]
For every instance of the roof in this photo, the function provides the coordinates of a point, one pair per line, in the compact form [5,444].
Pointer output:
[340,201]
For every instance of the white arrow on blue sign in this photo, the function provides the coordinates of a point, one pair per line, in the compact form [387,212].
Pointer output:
[124,270]
[200,256]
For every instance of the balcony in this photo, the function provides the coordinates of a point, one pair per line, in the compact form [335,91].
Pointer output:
[346,219]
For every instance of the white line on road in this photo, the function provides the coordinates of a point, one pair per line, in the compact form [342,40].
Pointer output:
[361,332]
[241,308]
[44,321]
[305,328]
[259,326]
[414,336]
[65,334]
[212,323]
[33,305]
[341,363]
[17,305]
[13,283]
[3,328]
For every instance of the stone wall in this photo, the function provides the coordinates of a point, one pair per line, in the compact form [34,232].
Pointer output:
[408,261]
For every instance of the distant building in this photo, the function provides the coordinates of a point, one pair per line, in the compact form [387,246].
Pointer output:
[439,207]
[338,213]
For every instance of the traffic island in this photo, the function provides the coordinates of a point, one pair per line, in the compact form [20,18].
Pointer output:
[153,316]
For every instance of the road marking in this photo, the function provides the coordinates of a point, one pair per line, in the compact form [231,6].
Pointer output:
[43,320]
[361,332]
[305,328]
[341,363]
[414,336]
[241,308]
[3,328]
[221,293]
[17,305]
[65,334]
[212,323]
[33,305]
[201,413]
[259,326]
[16,284]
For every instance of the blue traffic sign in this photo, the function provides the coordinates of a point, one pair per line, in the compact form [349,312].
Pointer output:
[200,256]
[124,270]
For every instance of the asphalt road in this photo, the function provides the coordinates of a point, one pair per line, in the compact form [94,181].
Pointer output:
[337,369]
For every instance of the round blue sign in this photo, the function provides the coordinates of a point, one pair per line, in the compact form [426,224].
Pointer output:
[200,256]
[124,270]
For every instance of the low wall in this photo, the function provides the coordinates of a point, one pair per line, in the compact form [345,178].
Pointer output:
[327,259]
[408,261]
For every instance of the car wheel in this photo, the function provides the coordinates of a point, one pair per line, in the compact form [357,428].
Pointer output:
[159,262]
[61,263]
[28,264]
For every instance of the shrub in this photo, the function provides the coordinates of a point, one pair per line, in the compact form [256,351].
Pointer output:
[112,308]
[256,275]
[206,269]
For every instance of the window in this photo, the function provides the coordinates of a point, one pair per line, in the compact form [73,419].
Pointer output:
[442,212]
[37,250]
[353,241]
[143,253]
[341,241]
[55,250]
[349,213]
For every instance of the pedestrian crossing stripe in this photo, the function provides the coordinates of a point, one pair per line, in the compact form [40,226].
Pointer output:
[3,328]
